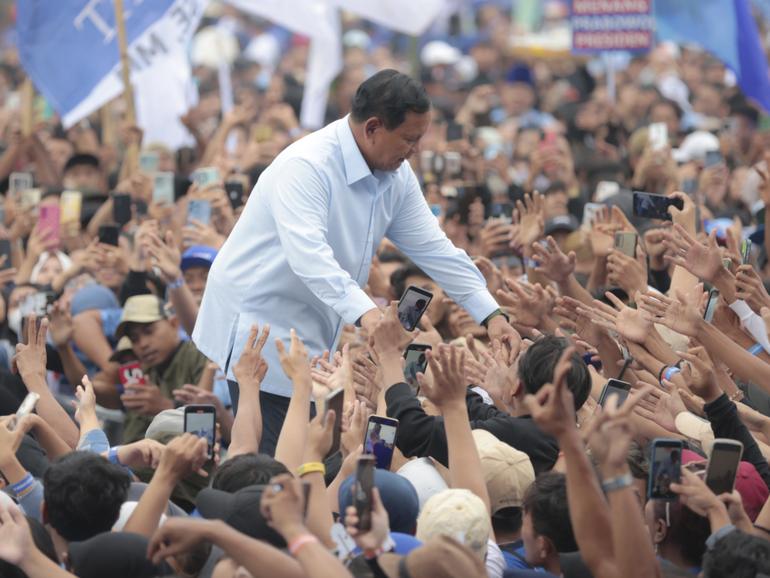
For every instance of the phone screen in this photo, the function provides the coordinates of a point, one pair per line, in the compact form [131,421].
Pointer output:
[665,469]
[334,401]
[5,249]
[415,361]
[745,251]
[163,190]
[50,221]
[711,305]
[362,492]
[723,466]
[615,386]
[626,243]
[200,420]
[412,305]
[108,234]
[71,206]
[651,206]
[205,176]
[380,440]
[454,131]
[19,182]
[712,158]
[199,210]
[121,208]
[234,192]
[657,135]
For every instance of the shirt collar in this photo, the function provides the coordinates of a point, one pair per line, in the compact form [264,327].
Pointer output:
[355,164]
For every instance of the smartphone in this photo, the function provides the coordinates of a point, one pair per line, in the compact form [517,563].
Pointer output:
[205,176]
[5,249]
[18,183]
[657,135]
[652,206]
[415,361]
[453,163]
[108,234]
[723,465]
[745,251]
[234,190]
[712,158]
[149,162]
[199,210]
[163,189]
[130,373]
[334,401]
[30,198]
[503,211]
[711,305]
[620,388]
[362,491]
[414,302]
[140,208]
[201,420]
[606,190]
[454,131]
[71,204]
[121,208]
[590,210]
[49,220]
[27,407]
[626,243]
[665,468]
[380,440]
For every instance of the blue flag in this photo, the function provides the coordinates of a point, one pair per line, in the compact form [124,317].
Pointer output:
[68,47]
[727,30]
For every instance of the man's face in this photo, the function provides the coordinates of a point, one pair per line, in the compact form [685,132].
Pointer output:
[389,148]
[153,342]
[59,150]
[84,178]
[195,278]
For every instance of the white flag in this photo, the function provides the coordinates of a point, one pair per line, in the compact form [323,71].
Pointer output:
[318,20]
[407,16]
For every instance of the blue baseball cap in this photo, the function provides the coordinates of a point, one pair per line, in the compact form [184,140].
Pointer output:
[398,496]
[198,256]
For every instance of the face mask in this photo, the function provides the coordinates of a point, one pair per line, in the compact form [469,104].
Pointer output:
[14,320]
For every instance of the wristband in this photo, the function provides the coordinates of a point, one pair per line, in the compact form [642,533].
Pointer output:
[311,468]
[492,315]
[23,486]
[755,349]
[176,283]
[112,456]
[297,543]
[671,372]
[660,374]
[617,483]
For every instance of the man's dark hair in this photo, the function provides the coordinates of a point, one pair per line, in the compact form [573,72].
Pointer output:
[83,494]
[246,470]
[537,365]
[82,159]
[399,276]
[737,555]
[546,502]
[687,532]
[389,95]
[637,462]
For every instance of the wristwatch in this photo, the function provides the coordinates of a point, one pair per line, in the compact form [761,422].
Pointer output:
[492,315]
[617,483]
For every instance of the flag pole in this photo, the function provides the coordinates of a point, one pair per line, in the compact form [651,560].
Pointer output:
[27,106]
[132,152]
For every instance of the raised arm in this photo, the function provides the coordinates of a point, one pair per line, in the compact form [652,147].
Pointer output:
[250,370]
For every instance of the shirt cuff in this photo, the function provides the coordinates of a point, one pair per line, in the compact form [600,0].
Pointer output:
[741,309]
[718,535]
[480,305]
[353,305]
[94,441]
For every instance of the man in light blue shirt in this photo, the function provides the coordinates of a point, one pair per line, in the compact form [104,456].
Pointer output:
[300,253]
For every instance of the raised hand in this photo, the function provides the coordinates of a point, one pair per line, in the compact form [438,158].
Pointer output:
[85,406]
[750,288]
[678,314]
[178,535]
[145,453]
[527,304]
[703,261]
[30,358]
[15,537]
[699,374]
[552,262]
[283,504]
[553,406]
[530,219]
[628,273]
[60,324]
[252,367]
[376,536]
[354,426]
[633,324]
[389,336]
[163,255]
[580,323]
[184,455]
[449,386]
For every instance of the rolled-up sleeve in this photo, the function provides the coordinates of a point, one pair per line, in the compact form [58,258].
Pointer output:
[416,232]
[300,205]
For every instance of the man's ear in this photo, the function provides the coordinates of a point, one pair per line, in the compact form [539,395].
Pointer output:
[174,320]
[660,531]
[371,126]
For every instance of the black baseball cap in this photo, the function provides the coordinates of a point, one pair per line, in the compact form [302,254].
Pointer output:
[114,554]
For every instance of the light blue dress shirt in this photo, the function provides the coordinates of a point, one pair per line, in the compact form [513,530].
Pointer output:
[299,255]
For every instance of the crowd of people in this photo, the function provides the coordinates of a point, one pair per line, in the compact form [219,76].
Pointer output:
[508,459]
